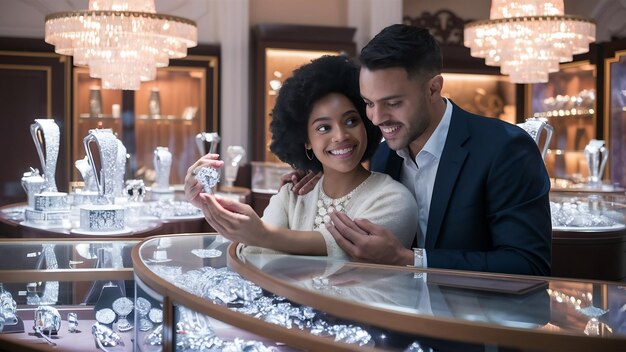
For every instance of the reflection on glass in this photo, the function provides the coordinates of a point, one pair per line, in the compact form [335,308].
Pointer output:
[568,103]
[616,119]
[234,156]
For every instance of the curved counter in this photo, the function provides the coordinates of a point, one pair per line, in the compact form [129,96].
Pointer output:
[394,306]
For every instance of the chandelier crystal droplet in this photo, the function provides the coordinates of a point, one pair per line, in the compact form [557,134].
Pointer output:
[528,38]
[121,41]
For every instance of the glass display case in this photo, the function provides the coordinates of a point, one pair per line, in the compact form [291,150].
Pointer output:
[615,111]
[318,303]
[60,289]
[166,112]
[568,103]
[589,235]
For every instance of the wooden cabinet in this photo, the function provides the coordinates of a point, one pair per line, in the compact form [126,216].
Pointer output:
[166,112]
[278,49]
[568,102]
[33,85]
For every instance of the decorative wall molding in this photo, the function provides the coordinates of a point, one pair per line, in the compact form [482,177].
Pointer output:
[444,25]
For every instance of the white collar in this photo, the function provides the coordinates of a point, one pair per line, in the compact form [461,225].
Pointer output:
[434,145]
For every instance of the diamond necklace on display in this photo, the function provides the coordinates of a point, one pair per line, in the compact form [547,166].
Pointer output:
[326,205]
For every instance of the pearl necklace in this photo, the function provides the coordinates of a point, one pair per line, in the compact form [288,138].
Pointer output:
[326,205]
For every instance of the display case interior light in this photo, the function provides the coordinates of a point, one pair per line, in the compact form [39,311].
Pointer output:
[568,103]
[279,65]
[487,95]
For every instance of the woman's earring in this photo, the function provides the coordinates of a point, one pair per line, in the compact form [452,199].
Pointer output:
[306,151]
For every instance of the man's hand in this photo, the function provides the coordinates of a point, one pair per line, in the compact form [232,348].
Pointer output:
[192,187]
[367,242]
[307,183]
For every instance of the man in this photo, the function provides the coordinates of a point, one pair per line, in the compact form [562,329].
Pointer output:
[480,183]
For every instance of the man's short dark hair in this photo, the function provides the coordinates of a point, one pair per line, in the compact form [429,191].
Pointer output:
[310,83]
[400,45]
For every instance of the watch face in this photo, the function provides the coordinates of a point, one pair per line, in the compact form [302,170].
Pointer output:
[105,316]
[156,315]
[142,306]
[123,306]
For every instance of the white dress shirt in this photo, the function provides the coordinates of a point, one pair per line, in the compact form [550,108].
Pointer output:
[419,175]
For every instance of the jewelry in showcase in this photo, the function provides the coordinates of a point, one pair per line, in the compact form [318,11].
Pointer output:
[168,209]
[156,315]
[208,177]
[103,216]
[107,145]
[135,190]
[535,128]
[224,287]
[8,308]
[105,316]
[209,137]
[72,323]
[105,337]
[46,132]
[159,256]
[596,155]
[142,307]
[155,337]
[33,183]
[122,307]
[86,172]
[162,165]
[51,288]
[194,333]
[416,347]
[207,253]
[50,207]
[234,156]
[120,169]
[322,284]
[589,212]
[47,320]
[214,343]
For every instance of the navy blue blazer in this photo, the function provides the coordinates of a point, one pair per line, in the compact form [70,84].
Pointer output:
[490,209]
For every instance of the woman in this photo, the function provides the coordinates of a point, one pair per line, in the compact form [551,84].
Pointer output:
[318,124]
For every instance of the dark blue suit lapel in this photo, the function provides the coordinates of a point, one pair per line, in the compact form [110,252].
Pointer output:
[450,165]
[387,161]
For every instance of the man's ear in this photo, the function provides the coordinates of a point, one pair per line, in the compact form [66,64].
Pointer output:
[435,85]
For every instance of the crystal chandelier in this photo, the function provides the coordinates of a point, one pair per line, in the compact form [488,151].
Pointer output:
[122,41]
[528,38]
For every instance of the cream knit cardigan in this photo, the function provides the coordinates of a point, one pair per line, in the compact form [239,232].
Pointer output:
[379,199]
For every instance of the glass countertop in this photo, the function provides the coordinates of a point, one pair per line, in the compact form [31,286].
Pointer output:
[26,254]
[525,311]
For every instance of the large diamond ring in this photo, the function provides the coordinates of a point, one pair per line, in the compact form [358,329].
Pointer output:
[208,177]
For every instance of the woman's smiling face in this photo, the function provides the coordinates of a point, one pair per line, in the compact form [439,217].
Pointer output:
[336,133]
